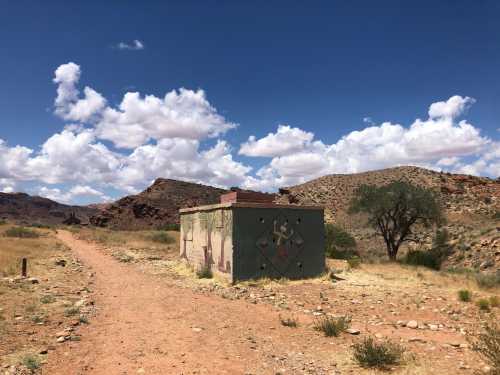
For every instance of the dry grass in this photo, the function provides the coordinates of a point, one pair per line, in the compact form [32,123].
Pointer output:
[142,244]
[14,249]
[30,303]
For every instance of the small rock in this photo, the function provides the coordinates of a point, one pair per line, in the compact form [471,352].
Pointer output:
[197,329]
[433,327]
[412,324]
[416,339]
[61,339]
[353,331]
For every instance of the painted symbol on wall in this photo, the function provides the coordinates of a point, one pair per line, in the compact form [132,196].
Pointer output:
[281,235]
[280,244]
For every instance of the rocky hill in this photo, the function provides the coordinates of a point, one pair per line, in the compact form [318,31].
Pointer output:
[472,207]
[156,206]
[27,209]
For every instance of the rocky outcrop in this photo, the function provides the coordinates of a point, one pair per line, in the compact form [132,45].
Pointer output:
[27,209]
[156,206]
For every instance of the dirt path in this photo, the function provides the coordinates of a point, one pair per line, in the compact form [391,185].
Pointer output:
[146,326]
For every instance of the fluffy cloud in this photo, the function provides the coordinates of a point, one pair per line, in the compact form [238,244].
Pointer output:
[78,191]
[179,114]
[67,103]
[182,113]
[286,140]
[452,108]
[182,159]
[136,45]
[438,142]
[179,136]
[76,156]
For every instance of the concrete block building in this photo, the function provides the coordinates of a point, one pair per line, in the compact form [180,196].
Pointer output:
[247,236]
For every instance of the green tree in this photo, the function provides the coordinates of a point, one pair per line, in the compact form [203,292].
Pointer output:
[394,210]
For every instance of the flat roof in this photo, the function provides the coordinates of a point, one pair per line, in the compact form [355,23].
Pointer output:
[247,205]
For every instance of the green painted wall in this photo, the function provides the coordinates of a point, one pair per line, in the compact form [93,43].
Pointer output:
[277,242]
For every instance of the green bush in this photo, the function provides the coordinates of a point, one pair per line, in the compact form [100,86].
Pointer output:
[21,232]
[171,227]
[71,311]
[40,226]
[354,262]
[339,244]
[32,362]
[488,280]
[464,295]
[487,344]
[47,299]
[423,258]
[331,326]
[369,353]
[204,272]
[483,304]
[161,237]
[434,257]
[494,301]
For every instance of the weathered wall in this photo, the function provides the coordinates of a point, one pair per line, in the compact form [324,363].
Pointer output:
[278,242]
[206,240]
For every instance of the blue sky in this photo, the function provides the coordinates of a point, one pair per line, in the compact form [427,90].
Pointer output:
[320,70]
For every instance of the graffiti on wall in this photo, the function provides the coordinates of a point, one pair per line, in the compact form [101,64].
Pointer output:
[225,226]
[207,221]
[280,244]
[187,233]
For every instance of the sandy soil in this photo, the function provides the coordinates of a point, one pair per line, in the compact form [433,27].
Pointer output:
[146,326]
[150,324]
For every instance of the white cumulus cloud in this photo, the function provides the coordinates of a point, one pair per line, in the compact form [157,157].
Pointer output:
[441,141]
[67,103]
[180,113]
[285,141]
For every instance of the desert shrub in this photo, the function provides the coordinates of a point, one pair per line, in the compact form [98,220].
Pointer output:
[21,232]
[483,304]
[434,257]
[3,222]
[204,272]
[122,257]
[289,322]
[331,326]
[161,237]
[488,280]
[171,227]
[369,353]
[464,295]
[422,258]
[496,215]
[38,318]
[71,311]
[83,319]
[32,362]
[494,301]
[487,344]
[354,262]
[47,299]
[339,244]
[41,226]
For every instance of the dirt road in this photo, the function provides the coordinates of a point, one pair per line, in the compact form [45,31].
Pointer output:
[144,325]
